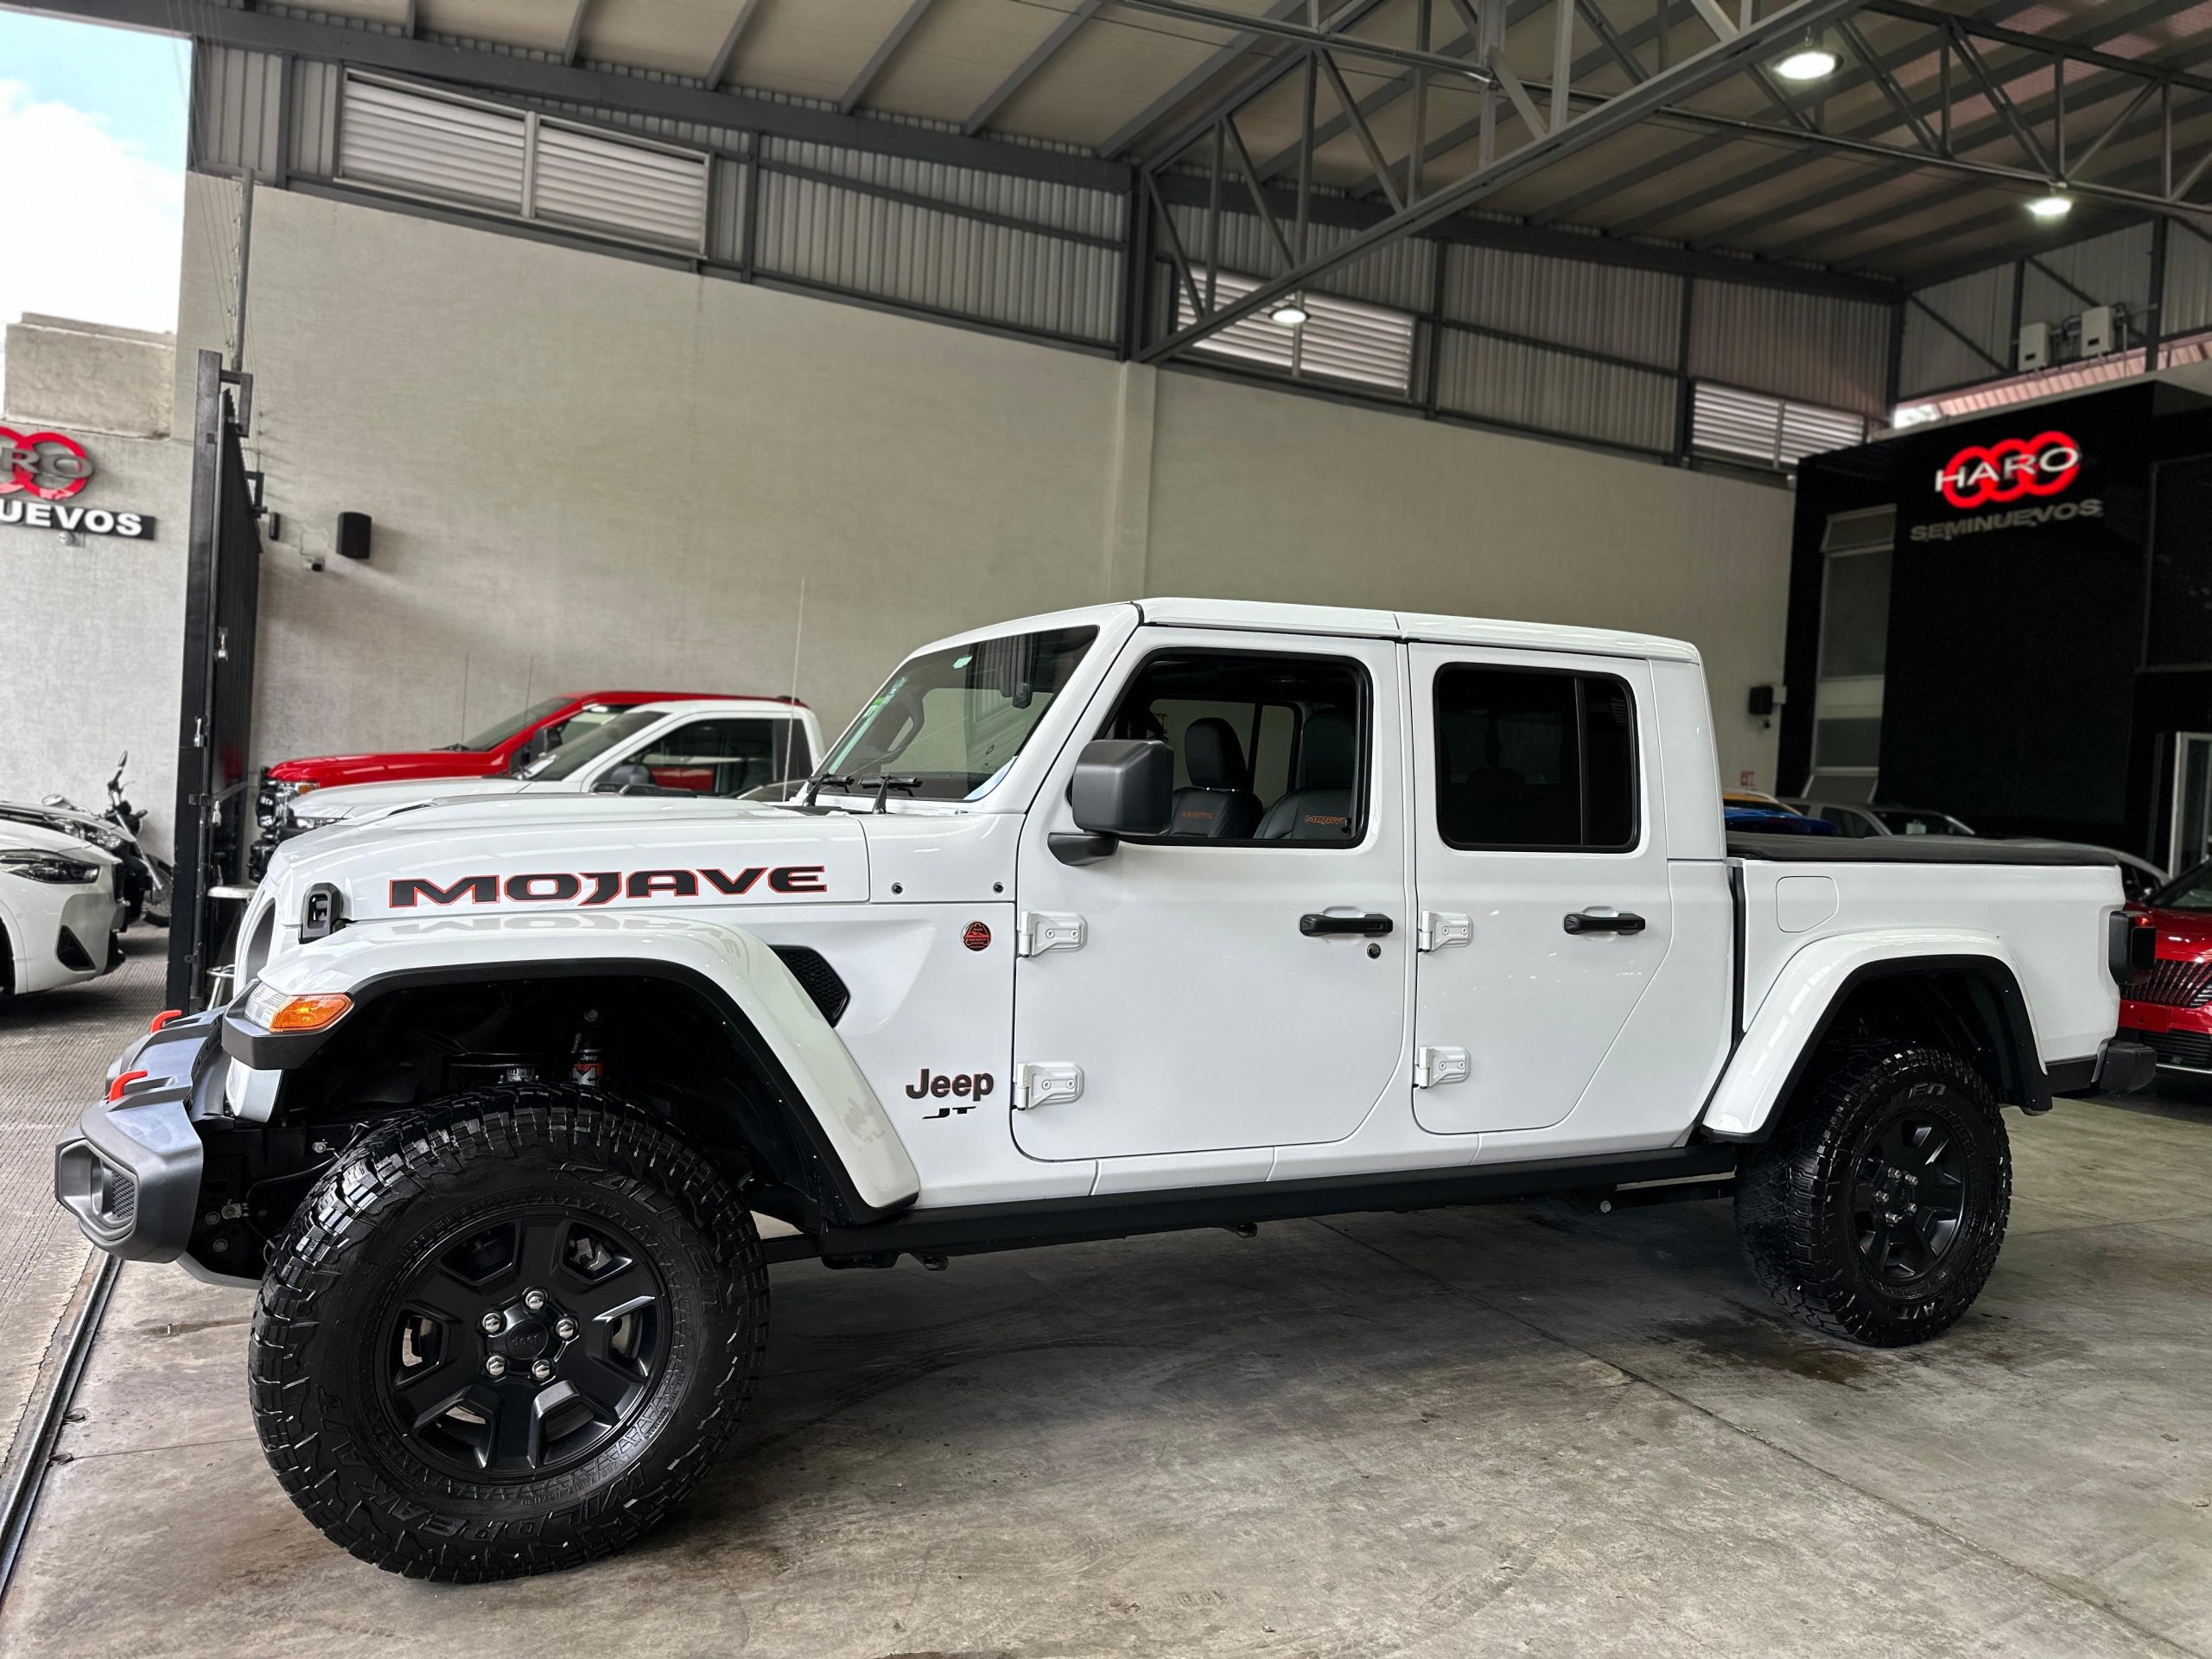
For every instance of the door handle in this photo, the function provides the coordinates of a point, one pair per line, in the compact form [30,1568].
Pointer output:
[1581,921]
[1314,924]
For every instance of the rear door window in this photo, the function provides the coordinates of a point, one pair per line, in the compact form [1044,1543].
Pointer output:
[1532,759]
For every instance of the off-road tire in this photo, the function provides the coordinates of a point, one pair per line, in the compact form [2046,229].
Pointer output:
[1795,1203]
[314,1354]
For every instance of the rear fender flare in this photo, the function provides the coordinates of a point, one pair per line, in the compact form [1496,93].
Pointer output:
[731,968]
[1813,988]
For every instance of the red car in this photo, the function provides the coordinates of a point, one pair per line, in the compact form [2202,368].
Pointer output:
[2169,1005]
[507,747]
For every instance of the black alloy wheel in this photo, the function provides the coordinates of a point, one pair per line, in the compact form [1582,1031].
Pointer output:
[505,1333]
[1876,1209]
[1910,1196]
[521,1344]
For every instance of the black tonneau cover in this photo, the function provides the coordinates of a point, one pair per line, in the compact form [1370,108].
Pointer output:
[1912,849]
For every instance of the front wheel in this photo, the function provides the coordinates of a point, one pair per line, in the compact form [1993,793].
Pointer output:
[507,1335]
[1877,1209]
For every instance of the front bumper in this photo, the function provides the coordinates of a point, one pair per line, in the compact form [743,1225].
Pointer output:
[131,1175]
[2181,1038]
[2122,1066]
[89,921]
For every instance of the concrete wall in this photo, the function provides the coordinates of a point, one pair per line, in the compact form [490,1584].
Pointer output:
[92,645]
[89,377]
[587,470]
[1265,496]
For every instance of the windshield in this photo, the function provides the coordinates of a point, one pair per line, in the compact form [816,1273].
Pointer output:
[491,738]
[954,720]
[2191,890]
[572,756]
[1902,822]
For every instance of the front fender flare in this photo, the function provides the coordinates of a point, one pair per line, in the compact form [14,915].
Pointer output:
[732,968]
[1794,1019]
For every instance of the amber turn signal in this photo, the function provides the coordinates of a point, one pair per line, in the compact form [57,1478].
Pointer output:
[310,1012]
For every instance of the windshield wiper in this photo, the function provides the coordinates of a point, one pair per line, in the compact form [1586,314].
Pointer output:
[884,786]
[859,783]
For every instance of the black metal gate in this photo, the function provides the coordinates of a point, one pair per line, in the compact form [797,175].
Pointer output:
[214,800]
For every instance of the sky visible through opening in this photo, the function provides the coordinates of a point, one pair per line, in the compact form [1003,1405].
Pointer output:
[92,123]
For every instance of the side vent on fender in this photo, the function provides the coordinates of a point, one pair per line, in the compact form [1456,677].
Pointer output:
[818,979]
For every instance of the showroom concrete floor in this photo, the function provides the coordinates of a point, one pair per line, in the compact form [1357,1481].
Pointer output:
[54,1049]
[1518,1429]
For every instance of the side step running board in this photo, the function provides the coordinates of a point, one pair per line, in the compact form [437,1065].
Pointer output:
[968,1229]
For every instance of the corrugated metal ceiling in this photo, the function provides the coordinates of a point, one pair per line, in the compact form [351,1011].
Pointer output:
[1104,77]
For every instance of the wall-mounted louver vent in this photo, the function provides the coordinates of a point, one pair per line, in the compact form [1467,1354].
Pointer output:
[1340,340]
[1766,431]
[521,164]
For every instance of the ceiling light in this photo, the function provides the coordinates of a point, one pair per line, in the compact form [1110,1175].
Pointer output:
[1289,314]
[1811,62]
[2054,206]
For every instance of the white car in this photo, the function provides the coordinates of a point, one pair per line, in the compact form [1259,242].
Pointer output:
[58,912]
[1162,914]
[721,747]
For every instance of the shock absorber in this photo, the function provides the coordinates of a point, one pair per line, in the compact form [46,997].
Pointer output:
[587,1057]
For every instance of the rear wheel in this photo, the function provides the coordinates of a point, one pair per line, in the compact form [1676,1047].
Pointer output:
[1877,1209]
[506,1335]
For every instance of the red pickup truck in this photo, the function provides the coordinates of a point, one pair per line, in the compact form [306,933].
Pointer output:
[2169,1004]
[507,747]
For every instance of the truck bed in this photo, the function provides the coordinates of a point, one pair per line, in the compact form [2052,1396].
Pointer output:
[2039,908]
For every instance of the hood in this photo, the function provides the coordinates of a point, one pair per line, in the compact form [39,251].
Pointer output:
[37,838]
[65,821]
[2184,935]
[576,852]
[330,771]
[372,800]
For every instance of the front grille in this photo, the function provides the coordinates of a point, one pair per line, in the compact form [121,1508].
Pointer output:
[818,979]
[2191,1048]
[2174,984]
[120,1202]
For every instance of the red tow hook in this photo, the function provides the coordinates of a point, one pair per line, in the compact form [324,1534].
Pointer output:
[115,1089]
[164,1017]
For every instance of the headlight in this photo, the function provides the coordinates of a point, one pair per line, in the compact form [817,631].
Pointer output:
[48,867]
[276,797]
[276,1010]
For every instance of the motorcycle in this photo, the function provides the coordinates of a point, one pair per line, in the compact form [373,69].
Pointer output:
[145,880]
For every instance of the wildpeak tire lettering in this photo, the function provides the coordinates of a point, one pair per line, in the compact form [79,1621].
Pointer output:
[590,887]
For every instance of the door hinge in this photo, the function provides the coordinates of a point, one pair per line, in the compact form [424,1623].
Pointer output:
[1040,930]
[1045,1082]
[1439,928]
[1435,1065]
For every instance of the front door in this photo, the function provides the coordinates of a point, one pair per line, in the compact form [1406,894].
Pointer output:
[1226,985]
[1541,878]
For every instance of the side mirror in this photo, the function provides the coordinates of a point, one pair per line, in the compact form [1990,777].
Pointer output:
[1122,787]
[629,775]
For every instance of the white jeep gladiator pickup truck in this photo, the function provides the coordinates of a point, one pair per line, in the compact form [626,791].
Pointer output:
[1163,914]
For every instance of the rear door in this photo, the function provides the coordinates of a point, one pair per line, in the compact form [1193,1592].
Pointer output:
[1541,878]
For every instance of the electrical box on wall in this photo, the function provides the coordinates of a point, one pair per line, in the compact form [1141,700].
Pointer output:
[2100,334]
[353,535]
[2035,347]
